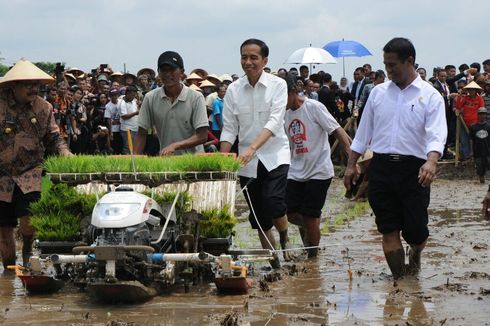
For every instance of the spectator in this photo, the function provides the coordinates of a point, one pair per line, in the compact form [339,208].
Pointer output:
[217,115]
[467,106]
[480,144]
[128,111]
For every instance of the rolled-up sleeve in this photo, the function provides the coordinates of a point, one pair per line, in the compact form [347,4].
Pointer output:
[365,131]
[199,113]
[435,126]
[230,120]
[278,108]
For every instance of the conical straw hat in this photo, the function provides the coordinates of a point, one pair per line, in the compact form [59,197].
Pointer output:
[473,85]
[206,83]
[194,76]
[25,70]
[196,88]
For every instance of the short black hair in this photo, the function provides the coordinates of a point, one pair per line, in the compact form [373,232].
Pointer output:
[402,47]
[264,49]
[476,65]
[379,74]
[291,83]
[463,66]
[449,67]
[486,62]
[361,69]
[303,67]
[326,78]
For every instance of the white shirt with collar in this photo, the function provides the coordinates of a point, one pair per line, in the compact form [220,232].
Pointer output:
[247,110]
[411,121]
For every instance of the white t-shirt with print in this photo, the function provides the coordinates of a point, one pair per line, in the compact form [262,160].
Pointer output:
[307,129]
[111,112]
[126,108]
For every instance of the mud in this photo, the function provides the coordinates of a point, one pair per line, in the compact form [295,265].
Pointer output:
[348,284]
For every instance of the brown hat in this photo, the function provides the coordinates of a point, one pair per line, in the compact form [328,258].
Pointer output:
[147,71]
[473,85]
[196,88]
[213,78]
[128,74]
[25,70]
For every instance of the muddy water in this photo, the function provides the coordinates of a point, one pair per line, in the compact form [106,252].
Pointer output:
[452,288]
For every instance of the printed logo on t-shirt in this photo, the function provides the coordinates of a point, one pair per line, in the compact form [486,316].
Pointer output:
[482,134]
[297,132]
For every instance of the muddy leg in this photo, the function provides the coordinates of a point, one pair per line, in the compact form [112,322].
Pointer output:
[394,253]
[297,219]
[414,257]
[7,246]
[27,231]
[312,228]
[263,241]
[281,225]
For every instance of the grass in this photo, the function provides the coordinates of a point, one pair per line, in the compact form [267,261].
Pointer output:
[352,211]
[98,164]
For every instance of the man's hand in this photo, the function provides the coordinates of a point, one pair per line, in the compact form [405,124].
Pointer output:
[169,150]
[427,173]
[486,206]
[350,176]
[247,155]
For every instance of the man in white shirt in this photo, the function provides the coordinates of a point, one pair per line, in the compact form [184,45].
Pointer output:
[128,110]
[404,123]
[254,108]
[113,120]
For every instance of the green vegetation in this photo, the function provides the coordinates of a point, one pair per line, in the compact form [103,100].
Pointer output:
[103,164]
[183,205]
[57,215]
[353,210]
[217,223]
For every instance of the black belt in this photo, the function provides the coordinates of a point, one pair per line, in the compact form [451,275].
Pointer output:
[394,157]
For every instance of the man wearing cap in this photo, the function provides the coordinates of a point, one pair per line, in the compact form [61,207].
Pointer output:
[177,112]
[480,144]
[253,111]
[404,124]
[27,130]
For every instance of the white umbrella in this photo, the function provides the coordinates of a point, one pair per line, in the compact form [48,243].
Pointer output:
[310,55]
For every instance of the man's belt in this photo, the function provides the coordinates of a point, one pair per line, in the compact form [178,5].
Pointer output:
[395,157]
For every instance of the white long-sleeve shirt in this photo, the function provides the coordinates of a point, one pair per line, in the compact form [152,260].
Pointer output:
[247,111]
[411,121]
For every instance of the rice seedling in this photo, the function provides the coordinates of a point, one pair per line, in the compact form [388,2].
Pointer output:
[103,164]
[217,223]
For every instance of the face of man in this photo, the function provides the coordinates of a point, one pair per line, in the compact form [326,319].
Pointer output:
[130,96]
[358,75]
[442,76]
[304,72]
[309,87]
[26,91]
[252,61]
[82,84]
[114,98]
[144,82]
[77,95]
[486,68]
[397,71]
[221,91]
[379,80]
[367,69]
[422,73]
[105,89]
[343,81]
[170,76]
[451,72]
[62,90]
[51,95]
[316,87]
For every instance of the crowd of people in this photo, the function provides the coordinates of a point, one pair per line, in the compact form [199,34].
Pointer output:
[284,125]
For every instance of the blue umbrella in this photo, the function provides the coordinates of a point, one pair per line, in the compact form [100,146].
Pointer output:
[346,48]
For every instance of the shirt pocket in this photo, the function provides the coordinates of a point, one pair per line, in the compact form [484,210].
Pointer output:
[245,117]
[263,114]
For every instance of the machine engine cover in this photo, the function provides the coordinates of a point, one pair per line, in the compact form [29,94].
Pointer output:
[122,209]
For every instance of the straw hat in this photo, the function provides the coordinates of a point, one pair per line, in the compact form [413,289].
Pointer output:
[128,74]
[213,78]
[194,76]
[147,71]
[195,88]
[225,77]
[206,83]
[473,85]
[25,70]
[75,71]
[71,76]
[201,72]
[366,156]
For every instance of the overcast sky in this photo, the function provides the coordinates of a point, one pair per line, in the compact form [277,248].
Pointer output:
[208,33]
